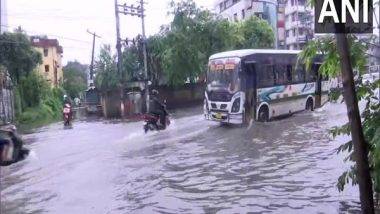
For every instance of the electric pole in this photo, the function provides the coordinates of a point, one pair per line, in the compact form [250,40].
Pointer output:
[118,44]
[119,59]
[139,12]
[92,55]
[145,55]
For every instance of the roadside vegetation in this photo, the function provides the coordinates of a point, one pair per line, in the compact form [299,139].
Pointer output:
[74,79]
[36,103]
[179,52]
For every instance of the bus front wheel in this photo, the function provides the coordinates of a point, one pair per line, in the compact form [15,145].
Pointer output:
[264,114]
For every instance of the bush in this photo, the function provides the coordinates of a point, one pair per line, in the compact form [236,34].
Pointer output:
[36,102]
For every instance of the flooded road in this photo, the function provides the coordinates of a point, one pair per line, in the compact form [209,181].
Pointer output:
[196,166]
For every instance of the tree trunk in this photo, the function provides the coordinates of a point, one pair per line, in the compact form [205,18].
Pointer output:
[360,146]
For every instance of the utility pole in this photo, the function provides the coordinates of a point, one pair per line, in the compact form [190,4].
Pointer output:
[145,55]
[139,12]
[92,55]
[119,59]
[118,44]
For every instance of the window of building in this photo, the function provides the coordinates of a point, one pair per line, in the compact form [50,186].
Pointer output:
[294,32]
[226,4]
[221,6]
[235,1]
[47,68]
[46,52]
[236,17]
[243,14]
[287,33]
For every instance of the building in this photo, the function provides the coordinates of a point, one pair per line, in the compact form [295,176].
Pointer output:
[3,16]
[299,24]
[51,51]
[237,10]
[281,24]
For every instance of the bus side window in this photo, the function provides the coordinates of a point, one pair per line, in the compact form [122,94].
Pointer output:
[289,72]
[281,74]
[300,74]
[265,75]
[311,76]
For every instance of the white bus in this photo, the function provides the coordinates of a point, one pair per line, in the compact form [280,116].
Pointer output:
[260,85]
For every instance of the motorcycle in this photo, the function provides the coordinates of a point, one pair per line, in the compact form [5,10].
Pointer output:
[152,122]
[11,146]
[67,115]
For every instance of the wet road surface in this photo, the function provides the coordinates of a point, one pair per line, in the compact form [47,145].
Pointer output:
[196,166]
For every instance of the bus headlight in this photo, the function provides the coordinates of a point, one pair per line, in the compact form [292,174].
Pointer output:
[236,106]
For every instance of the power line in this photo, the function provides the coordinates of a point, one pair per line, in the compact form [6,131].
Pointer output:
[52,35]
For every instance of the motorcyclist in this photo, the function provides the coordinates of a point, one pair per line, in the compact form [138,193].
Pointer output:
[66,100]
[67,103]
[157,108]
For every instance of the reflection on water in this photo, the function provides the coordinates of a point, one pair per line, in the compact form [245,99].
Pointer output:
[285,166]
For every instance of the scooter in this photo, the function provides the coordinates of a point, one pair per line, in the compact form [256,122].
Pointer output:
[152,122]
[11,146]
[67,115]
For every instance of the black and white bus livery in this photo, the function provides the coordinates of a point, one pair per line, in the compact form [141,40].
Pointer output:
[261,84]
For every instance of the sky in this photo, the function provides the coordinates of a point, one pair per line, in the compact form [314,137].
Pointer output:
[69,20]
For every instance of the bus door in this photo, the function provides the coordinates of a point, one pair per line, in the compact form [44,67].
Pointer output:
[250,90]
[318,88]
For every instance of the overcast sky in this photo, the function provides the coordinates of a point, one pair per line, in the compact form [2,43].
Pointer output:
[68,21]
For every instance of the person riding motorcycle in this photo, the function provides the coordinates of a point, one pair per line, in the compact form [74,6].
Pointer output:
[157,108]
[68,104]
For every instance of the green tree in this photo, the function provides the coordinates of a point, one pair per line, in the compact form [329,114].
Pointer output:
[257,33]
[180,51]
[133,61]
[107,77]
[18,55]
[74,78]
[195,34]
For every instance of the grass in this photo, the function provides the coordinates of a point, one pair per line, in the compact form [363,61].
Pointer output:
[32,118]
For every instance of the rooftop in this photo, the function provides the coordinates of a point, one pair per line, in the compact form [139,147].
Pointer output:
[247,52]
[46,43]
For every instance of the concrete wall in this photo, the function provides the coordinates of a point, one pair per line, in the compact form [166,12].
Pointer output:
[189,94]
[110,102]
[176,97]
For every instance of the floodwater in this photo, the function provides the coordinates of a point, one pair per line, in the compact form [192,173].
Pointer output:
[196,166]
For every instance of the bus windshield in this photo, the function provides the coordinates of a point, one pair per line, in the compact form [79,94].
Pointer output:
[223,74]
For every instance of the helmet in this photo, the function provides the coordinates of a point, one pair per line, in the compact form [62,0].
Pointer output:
[155,92]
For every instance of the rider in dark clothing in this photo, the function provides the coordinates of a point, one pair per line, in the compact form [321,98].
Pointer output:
[157,108]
